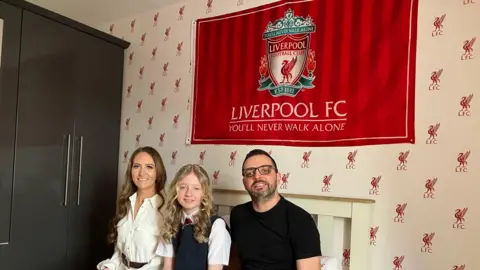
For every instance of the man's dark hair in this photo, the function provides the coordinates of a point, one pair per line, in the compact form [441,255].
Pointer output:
[259,152]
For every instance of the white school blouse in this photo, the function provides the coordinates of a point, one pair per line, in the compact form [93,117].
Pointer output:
[219,243]
[138,238]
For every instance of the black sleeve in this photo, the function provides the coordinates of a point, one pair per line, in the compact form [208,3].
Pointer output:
[304,236]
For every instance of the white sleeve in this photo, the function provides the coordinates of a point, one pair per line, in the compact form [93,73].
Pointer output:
[219,244]
[112,263]
[165,250]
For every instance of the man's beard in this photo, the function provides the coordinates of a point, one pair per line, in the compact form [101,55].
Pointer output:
[263,195]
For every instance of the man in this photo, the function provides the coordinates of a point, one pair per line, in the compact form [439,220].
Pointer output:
[270,232]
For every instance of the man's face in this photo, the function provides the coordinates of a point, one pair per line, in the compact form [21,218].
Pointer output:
[260,178]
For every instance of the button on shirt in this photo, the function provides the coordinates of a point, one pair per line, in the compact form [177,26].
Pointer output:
[219,243]
[138,238]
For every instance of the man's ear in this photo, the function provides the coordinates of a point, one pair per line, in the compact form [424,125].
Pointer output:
[279,178]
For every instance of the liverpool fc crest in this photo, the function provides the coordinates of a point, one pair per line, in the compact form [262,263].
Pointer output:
[289,63]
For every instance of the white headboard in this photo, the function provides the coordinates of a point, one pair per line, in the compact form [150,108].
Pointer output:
[359,211]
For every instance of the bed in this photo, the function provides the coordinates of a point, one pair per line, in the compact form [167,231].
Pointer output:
[343,224]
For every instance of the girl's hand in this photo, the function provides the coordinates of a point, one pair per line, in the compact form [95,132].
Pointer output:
[167,263]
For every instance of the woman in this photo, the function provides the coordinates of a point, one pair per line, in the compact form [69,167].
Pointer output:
[135,228]
[193,237]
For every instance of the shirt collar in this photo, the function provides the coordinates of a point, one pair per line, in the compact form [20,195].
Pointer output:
[154,201]
[184,216]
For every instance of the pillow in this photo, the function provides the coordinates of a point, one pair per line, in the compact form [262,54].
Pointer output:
[328,263]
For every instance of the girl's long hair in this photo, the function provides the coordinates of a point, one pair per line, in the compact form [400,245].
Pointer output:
[201,222]
[129,188]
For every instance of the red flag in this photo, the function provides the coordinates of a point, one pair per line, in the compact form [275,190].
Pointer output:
[306,73]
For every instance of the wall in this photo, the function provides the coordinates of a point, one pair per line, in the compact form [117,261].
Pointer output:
[430,188]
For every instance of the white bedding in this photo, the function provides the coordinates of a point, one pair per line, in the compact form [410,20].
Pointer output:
[328,263]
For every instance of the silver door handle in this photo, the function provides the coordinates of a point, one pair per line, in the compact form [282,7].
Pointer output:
[67,173]
[80,170]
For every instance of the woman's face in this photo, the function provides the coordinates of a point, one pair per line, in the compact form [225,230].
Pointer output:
[190,193]
[144,172]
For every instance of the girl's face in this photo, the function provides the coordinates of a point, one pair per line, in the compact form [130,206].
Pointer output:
[144,172]
[190,193]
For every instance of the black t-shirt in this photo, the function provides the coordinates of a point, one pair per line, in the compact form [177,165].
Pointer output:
[275,239]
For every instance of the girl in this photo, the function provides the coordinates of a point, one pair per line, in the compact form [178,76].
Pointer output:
[135,228]
[193,237]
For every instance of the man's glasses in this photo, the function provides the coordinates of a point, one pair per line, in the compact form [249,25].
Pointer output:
[264,169]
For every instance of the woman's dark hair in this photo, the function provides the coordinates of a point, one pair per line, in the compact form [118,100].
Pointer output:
[129,188]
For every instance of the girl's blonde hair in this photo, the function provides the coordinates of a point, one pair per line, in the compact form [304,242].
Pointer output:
[174,211]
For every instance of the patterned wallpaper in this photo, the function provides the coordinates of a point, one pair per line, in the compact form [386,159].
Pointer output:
[425,193]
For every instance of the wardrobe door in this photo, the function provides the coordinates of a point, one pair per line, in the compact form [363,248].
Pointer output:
[10,30]
[98,102]
[44,144]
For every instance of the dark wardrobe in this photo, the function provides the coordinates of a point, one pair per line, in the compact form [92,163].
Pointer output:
[60,108]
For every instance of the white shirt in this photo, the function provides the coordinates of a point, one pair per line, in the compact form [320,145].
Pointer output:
[138,238]
[219,243]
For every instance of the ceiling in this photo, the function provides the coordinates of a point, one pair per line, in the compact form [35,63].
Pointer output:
[98,12]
